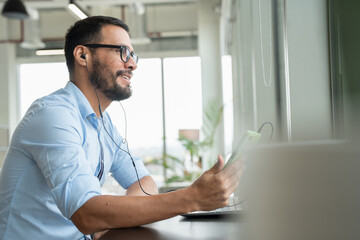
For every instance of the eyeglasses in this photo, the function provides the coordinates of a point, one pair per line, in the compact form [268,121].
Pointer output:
[125,52]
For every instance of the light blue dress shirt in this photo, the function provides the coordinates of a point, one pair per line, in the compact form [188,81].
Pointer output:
[52,165]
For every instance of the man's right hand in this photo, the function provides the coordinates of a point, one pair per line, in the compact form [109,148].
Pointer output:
[213,188]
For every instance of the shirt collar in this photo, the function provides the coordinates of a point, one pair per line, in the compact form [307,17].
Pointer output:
[82,102]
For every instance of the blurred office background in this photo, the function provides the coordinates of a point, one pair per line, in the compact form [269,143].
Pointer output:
[292,63]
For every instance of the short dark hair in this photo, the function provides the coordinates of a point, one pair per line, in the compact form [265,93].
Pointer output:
[85,31]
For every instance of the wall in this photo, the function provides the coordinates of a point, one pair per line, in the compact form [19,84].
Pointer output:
[281,68]
[255,85]
[309,74]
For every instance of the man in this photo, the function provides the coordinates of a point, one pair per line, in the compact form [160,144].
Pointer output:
[65,146]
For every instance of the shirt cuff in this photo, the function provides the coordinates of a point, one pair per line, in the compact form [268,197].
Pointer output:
[126,177]
[72,194]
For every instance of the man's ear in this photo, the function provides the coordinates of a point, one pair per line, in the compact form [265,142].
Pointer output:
[80,55]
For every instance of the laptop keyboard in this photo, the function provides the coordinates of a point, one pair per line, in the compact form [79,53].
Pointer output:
[236,205]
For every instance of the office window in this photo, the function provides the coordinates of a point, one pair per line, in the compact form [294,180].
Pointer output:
[183,99]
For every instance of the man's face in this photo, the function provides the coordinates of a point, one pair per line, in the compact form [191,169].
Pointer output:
[108,72]
[106,81]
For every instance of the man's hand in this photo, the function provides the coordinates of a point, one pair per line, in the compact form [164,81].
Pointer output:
[213,188]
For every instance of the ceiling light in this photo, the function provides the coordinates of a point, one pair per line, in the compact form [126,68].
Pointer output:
[76,10]
[47,52]
[14,9]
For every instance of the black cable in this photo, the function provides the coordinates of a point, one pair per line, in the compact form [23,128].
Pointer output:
[272,129]
[112,139]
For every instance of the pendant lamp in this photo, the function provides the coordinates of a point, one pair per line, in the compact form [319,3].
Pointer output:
[14,9]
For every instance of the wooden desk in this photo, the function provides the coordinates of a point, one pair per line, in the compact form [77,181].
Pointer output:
[177,228]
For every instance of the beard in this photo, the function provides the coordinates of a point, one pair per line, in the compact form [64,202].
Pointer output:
[102,78]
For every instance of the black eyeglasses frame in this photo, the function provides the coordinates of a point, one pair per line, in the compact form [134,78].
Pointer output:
[121,47]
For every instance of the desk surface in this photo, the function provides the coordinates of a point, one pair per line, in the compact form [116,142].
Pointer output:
[176,228]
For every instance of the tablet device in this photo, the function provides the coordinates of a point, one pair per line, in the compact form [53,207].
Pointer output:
[250,137]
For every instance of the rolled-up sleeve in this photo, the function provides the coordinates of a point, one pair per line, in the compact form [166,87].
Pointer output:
[54,141]
[124,172]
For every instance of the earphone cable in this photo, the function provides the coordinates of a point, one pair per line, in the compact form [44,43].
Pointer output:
[272,129]
[112,139]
